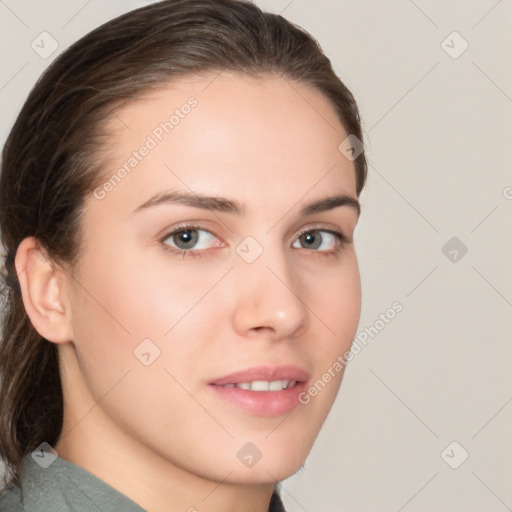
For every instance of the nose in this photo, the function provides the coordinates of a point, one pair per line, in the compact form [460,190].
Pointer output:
[268,299]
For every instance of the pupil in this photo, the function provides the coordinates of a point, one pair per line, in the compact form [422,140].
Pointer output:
[186,239]
[311,240]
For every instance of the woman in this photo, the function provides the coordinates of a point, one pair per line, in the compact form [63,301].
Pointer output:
[178,202]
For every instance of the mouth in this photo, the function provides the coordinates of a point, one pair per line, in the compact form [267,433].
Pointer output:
[275,375]
[263,385]
[263,390]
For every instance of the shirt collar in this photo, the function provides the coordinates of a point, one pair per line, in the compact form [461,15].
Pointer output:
[63,485]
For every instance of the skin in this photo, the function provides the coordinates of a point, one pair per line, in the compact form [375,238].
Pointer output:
[156,433]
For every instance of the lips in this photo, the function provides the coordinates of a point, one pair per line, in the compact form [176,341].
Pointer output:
[264,373]
[261,390]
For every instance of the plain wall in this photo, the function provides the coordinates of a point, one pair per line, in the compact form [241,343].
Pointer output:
[438,128]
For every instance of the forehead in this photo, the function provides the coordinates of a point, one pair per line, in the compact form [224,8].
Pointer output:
[230,135]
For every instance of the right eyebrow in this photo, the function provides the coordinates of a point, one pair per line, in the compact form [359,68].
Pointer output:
[194,200]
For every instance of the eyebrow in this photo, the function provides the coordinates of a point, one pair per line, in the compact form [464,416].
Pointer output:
[220,204]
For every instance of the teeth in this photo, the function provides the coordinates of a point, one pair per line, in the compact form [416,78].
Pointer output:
[264,385]
[277,385]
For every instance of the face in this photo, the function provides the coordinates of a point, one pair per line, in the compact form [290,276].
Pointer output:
[215,259]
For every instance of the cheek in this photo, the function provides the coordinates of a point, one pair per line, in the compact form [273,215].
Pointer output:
[338,302]
[138,300]
[117,310]
[118,307]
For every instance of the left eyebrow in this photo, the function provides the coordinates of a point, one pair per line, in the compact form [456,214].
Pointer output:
[224,205]
[329,203]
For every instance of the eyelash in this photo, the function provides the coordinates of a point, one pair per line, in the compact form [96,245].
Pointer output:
[341,241]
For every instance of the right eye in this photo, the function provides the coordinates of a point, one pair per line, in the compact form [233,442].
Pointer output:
[186,238]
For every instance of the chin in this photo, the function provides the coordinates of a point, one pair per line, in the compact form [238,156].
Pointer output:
[271,471]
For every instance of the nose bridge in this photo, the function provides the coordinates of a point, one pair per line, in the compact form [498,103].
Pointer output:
[267,289]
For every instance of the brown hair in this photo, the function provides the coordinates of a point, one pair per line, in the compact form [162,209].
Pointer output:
[52,158]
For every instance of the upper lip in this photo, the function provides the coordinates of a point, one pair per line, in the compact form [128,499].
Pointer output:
[268,373]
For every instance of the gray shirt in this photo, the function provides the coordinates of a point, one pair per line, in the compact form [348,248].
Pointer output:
[65,487]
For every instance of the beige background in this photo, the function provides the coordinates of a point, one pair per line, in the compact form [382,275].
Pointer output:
[438,138]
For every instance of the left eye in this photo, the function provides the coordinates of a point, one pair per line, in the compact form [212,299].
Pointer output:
[317,239]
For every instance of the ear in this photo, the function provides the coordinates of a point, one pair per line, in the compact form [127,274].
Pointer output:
[44,292]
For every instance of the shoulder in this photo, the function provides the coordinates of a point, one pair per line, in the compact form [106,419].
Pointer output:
[61,486]
[10,499]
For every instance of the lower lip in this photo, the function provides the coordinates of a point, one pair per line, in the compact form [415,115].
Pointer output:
[262,403]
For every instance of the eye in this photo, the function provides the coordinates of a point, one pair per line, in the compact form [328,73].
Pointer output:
[190,237]
[320,240]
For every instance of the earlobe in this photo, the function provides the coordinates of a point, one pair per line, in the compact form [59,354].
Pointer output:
[43,292]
